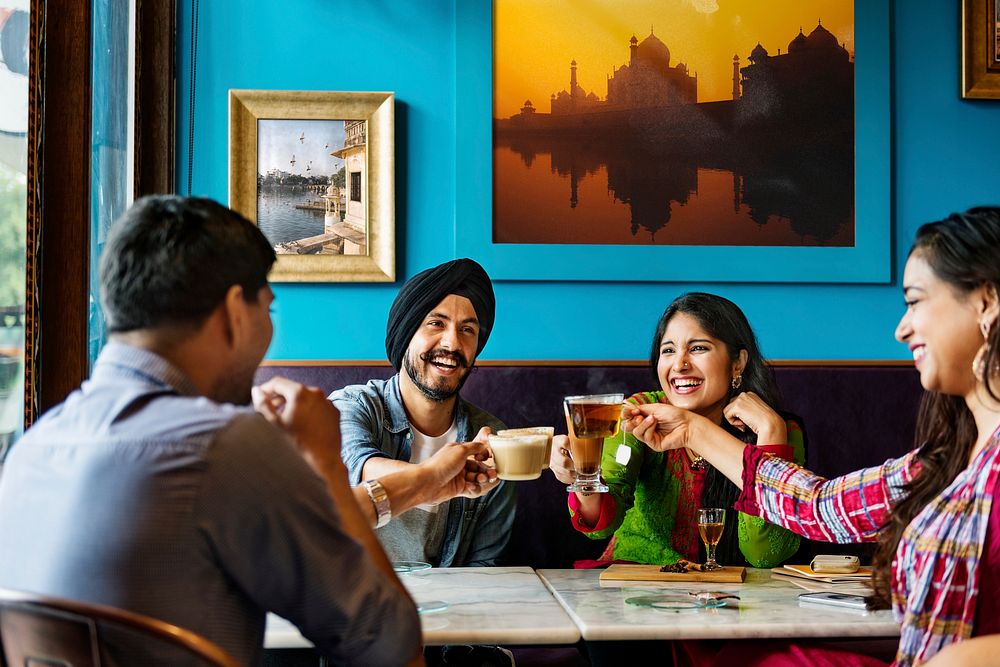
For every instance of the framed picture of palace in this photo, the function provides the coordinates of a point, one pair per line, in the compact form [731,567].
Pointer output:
[981,49]
[679,140]
[314,170]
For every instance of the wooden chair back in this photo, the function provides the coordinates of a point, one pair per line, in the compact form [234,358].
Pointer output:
[40,631]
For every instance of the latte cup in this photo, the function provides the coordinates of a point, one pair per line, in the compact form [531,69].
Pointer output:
[518,457]
[547,431]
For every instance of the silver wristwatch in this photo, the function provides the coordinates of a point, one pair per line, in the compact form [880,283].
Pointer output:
[380,500]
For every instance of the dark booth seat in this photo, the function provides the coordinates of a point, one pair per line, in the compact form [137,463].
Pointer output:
[855,416]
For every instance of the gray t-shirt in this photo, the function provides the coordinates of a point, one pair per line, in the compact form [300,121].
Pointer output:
[140,494]
[418,534]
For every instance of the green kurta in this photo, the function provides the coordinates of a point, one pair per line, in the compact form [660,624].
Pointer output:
[655,495]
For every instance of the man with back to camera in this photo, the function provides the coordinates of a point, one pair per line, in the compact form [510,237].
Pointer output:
[151,488]
[437,326]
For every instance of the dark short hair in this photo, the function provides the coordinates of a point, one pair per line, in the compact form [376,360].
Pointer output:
[721,319]
[170,260]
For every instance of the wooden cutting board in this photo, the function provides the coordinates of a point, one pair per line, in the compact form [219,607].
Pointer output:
[622,572]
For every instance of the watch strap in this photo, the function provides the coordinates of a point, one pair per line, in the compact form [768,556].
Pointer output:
[380,501]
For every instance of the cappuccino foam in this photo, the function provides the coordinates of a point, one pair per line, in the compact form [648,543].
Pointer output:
[518,457]
[547,431]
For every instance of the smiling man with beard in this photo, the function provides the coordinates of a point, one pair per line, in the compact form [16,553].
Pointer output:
[438,324]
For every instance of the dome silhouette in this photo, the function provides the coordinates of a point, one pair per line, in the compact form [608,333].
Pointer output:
[654,52]
[800,42]
[758,53]
[821,38]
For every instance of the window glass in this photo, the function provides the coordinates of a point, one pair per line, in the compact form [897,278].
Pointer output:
[14,18]
[355,186]
[111,143]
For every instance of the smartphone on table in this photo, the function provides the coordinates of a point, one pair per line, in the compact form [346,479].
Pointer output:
[835,564]
[836,599]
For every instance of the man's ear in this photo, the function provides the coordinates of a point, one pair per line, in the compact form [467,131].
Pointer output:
[234,315]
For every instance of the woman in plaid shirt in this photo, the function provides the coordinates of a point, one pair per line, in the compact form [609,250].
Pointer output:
[932,510]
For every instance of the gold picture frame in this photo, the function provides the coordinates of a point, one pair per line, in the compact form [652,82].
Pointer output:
[980,49]
[356,239]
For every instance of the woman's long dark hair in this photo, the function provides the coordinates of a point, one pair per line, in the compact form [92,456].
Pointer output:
[962,250]
[723,320]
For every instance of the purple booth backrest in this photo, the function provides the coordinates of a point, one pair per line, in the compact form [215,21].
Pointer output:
[854,416]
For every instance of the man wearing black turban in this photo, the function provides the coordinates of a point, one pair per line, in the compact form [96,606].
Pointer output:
[461,277]
[438,324]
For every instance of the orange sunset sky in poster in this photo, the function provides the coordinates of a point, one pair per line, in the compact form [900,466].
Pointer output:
[535,40]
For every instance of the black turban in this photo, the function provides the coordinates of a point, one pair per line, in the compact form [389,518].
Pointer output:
[427,289]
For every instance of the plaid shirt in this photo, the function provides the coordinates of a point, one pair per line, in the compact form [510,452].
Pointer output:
[935,574]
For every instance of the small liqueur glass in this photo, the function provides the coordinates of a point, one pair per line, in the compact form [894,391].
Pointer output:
[711,522]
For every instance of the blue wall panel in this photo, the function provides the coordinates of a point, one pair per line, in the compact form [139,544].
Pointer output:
[944,159]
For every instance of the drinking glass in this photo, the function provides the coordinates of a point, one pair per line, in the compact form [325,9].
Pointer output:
[590,419]
[711,521]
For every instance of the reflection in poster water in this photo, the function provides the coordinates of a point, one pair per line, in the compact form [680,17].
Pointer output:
[559,190]
[280,217]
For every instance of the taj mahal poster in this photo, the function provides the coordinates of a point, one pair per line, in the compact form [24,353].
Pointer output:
[679,122]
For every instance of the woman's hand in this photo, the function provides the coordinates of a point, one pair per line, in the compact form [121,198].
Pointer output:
[660,426]
[749,411]
[560,462]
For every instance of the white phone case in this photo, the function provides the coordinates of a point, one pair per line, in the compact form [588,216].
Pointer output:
[835,564]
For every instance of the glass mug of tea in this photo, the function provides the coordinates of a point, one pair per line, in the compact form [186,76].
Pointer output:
[590,419]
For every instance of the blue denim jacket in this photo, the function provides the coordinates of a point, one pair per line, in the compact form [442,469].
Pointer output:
[373,422]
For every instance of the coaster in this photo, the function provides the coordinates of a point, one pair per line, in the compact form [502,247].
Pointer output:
[431,606]
[404,566]
[674,602]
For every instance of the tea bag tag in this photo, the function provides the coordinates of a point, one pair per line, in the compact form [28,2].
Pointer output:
[623,455]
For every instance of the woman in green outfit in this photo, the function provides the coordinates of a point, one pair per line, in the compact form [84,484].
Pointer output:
[706,359]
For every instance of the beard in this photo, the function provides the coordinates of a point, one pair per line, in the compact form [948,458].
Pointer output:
[438,390]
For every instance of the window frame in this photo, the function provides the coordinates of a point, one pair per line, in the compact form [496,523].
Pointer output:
[58,210]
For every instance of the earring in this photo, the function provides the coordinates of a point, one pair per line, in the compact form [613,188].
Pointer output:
[737,380]
[979,361]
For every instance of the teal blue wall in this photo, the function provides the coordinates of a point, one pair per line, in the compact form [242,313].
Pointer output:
[944,159]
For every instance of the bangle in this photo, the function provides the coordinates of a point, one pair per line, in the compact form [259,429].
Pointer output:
[380,501]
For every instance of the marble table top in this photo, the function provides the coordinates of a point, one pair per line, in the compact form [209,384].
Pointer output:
[768,608]
[494,605]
